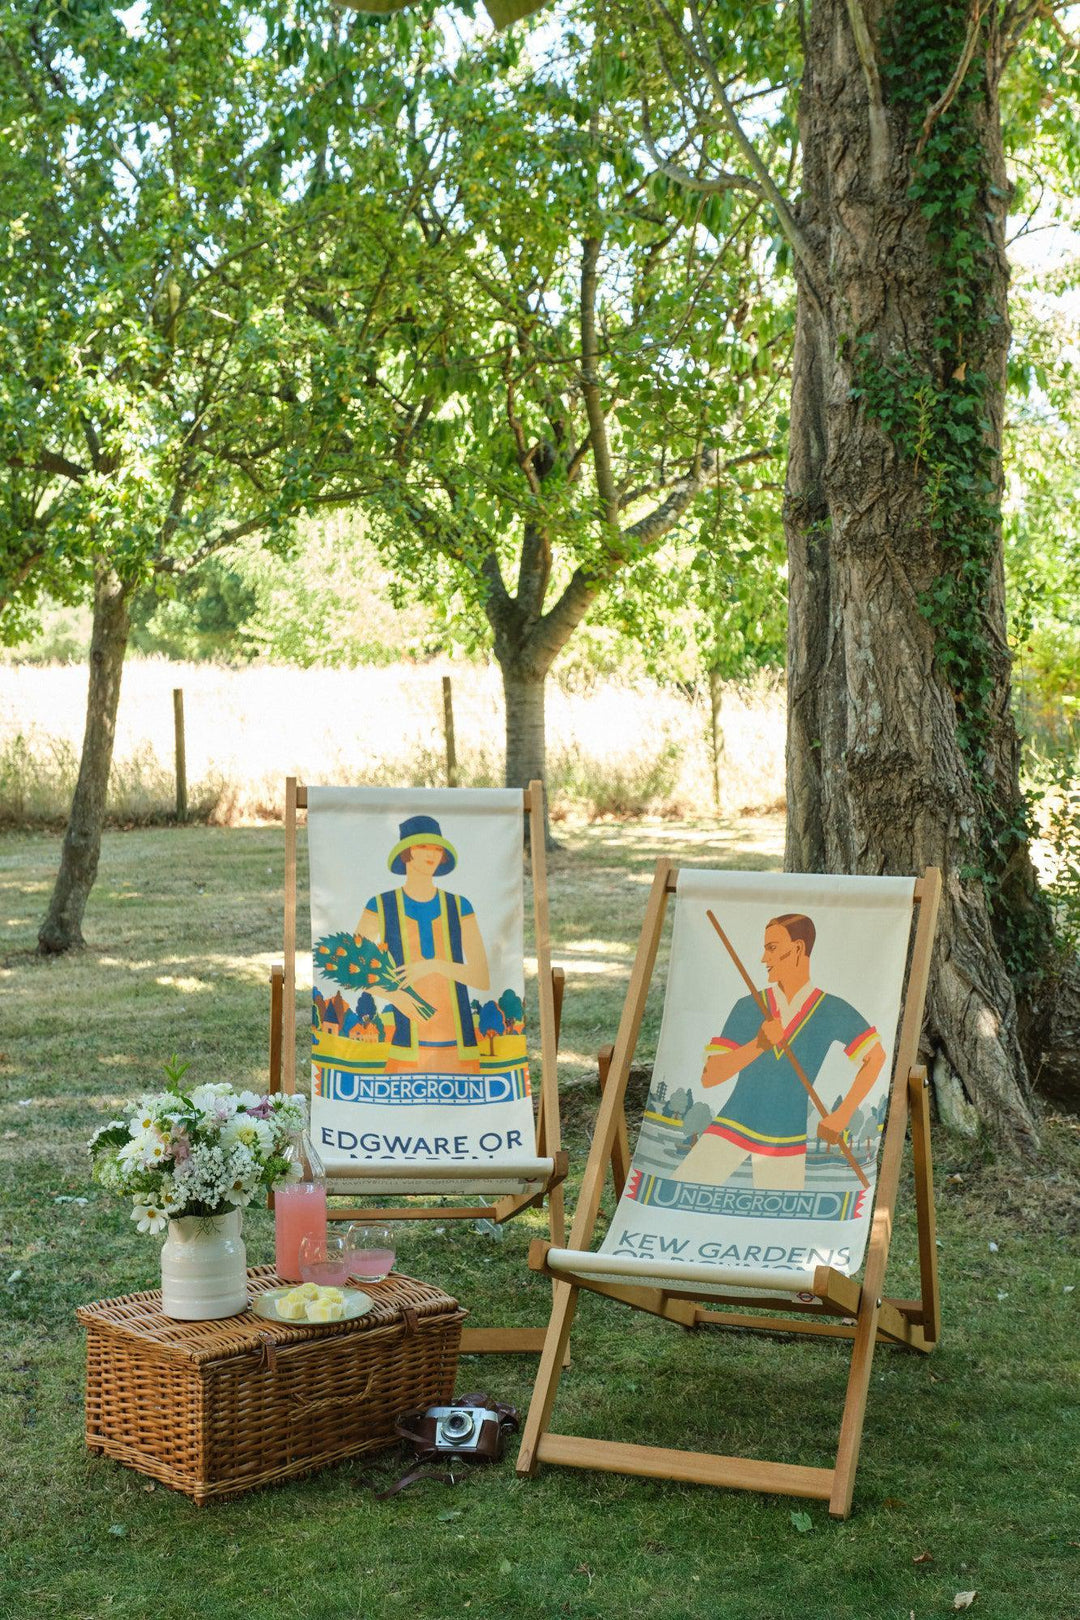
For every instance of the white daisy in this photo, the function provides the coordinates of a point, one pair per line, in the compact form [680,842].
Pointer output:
[254,1134]
[149,1218]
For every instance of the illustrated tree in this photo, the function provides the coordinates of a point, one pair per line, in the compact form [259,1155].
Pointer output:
[512,1008]
[679,1102]
[172,382]
[490,1022]
[697,1118]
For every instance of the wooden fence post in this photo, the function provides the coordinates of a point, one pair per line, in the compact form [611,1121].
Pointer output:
[181,753]
[716,733]
[448,724]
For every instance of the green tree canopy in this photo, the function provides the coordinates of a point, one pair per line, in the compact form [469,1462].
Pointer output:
[588,356]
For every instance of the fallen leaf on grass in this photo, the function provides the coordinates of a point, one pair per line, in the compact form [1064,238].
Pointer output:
[118,1529]
[964,1600]
[451,1513]
[924,1558]
[506,1567]
[802,1522]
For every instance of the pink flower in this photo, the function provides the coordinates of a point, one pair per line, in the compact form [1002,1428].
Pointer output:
[181,1147]
[261,1110]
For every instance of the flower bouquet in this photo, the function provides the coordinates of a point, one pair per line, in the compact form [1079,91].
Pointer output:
[363,965]
[203,1152]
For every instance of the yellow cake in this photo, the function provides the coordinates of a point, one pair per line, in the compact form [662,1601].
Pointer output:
[330,1310]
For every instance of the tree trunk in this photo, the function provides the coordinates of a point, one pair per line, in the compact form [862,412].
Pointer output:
[62,928]
[893,764]
[523,691]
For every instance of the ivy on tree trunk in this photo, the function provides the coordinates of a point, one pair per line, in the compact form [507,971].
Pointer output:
[902,751]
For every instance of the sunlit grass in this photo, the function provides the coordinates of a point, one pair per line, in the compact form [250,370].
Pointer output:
[969,1456]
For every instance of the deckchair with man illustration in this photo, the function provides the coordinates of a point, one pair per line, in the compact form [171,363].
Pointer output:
[420,1072]
[766,1167]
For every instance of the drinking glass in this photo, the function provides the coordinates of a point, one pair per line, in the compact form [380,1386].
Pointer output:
[324,1260]
[370,1246]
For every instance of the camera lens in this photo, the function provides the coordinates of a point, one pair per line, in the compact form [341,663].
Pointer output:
[457,1426]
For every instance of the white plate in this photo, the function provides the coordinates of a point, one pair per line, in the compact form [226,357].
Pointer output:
[356,1303]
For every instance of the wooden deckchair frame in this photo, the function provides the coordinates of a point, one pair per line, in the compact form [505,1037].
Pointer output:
[550,986]
[868,1316]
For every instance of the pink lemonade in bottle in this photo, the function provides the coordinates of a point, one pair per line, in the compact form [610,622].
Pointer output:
[299,1212]
[299,1207]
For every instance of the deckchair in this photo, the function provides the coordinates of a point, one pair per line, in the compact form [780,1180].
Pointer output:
[735,1197]
[420,1076]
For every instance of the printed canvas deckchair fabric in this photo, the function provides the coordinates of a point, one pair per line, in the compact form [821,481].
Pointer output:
[419,1056]
[748,1200]
[757,1155]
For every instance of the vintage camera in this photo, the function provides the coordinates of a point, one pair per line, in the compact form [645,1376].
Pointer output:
[459,1428]
[473,1426]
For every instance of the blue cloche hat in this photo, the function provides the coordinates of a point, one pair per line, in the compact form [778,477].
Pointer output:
[422,830]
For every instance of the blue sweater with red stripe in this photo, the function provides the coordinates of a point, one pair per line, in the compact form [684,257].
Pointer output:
[767,1109]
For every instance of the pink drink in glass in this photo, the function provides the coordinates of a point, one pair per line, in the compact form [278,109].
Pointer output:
[324,1260]
[331,1273]
[299,1212]
[372,1264]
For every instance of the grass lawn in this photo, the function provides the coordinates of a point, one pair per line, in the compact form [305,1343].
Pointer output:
[968,1478]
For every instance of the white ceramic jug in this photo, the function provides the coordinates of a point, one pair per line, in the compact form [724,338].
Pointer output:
[204,1268]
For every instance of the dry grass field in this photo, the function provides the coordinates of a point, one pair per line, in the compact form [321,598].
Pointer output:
[613,750]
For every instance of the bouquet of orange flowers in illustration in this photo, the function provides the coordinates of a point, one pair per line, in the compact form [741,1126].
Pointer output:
[362,964]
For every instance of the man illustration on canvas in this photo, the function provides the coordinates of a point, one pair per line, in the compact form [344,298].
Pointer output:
[764,1117]
[434,938]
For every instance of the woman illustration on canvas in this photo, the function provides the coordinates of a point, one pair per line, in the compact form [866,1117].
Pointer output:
[433,936]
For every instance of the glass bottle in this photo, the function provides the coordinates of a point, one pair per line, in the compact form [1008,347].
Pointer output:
[299,1207]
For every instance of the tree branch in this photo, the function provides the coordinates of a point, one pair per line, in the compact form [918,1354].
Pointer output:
[879,129]
[594,410]
[724,181]
[948,96]
[526,456]
[49,462]
[17,580]
[655,524]
[801,248]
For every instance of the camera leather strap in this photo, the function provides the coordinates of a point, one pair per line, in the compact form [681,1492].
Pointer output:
[413,1477]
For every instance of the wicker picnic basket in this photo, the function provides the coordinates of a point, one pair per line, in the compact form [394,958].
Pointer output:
[215,1408]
